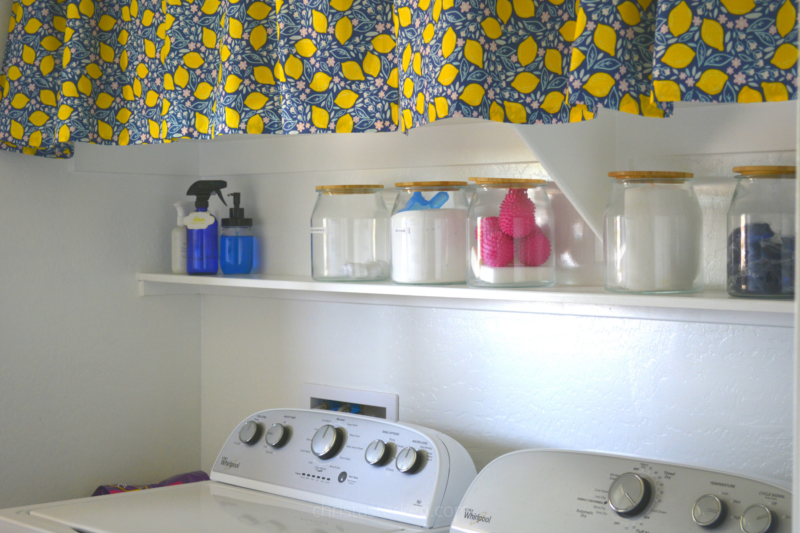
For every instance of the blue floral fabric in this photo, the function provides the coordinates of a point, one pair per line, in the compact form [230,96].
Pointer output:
[146,71]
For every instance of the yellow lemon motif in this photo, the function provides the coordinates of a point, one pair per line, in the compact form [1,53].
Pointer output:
[293,67]
[127,93]
[203,91]
[344,30]
[142,70]
[491,28]
[137,87]
[713,34]
[235,28]
[395,112]
[305,47]
[263,75]
[423,5]
[576,113]
[47,64]
[320,117]
[504,12]
[577,59]
[319,22]
[516,112]
[169,82]
[408,87]
[605,38]
[371,64]
[193,60]
[526,51]
[147,17]
[431,113]
[629,105]
[48,97]
[35,140]
[580,24]
[739,7]
[680,19]
[209,38]
[404,14]
[552,102]
[408,121]
[32,26]
[63,134]
[104,100]
[64,112]
[279,74]
[255,125]
[152,99]
[352,71]
[749,96]
[667,91]
[524,8]
[341,5]
[496,113]
[437,10]
[149,48]
[712,81]
[417,64]
[17,131]
[52,44]
[472,94]
[73,13]
[392,81]
[123,60]
[406,57]
[123,115]
[210,7]
[181,77]
[28,54]
[567,31]
[383,44]
[255,100]
[678,56]
[447,75]
[429,31]
[346,99]
[68,89]
[442,106]
[395,23]
[785,56]
[420,103]
[525,82]
[37,118]
[87,8]
[85,85]
[258,37]
[629,13]
[599,84]
[258,11]
[344,124]
[19,101]
[224,53]
[552,60]
[231,118]
[775,92]
[473,52]
[319,82]
[448,43]
[787,16]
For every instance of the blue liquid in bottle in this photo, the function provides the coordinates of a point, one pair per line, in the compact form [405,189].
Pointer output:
[202,255]
[237,254]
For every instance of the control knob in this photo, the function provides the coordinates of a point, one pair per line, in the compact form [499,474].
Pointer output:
[757,519]
[277,436]
[250,432]
[629,494]
[377,453]
[327,442]
[708,511]
[408,461]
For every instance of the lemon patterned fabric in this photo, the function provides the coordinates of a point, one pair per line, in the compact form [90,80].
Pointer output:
[146,71]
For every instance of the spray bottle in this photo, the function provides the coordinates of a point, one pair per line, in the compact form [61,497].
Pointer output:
[202,252]
[179,240]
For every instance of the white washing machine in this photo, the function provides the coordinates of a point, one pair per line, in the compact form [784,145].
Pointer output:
[288,471]
[551,491]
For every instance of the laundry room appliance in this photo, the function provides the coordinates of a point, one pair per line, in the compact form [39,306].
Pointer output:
[551,491]
[288,471]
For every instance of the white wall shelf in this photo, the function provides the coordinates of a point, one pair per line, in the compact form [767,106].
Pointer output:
[708,307]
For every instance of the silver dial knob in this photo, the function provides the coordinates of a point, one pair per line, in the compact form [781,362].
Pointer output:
[708,511]
[629,494]
[326,442]
[757,519]
[377,453]
[277,436]
[250,432]
[408,461]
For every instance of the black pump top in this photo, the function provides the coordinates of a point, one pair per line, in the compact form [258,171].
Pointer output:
[203,189]
[237,219]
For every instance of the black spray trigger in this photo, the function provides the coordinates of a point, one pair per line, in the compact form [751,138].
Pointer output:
[219,193]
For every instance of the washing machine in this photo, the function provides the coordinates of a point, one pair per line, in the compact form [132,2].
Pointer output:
[552,491]
[288,471]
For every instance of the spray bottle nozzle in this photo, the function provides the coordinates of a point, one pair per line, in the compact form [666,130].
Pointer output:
[204,189]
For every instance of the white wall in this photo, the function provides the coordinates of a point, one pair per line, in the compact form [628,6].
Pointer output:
[97,385]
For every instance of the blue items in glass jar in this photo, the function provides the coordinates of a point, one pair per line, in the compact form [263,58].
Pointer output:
[236,243]
[761,233]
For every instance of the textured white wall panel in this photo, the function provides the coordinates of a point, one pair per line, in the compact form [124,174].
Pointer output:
[711,395]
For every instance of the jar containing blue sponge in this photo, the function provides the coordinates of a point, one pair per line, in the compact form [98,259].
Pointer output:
[761,233]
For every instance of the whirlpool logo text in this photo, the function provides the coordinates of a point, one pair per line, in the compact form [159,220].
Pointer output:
[229,464]
[476,518]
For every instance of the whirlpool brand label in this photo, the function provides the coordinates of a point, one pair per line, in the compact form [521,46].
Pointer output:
[228,464]
[476,518]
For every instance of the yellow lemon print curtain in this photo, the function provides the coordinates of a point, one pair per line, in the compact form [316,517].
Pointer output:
[144,71]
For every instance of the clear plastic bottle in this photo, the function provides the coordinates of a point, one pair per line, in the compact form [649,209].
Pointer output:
[761,233]
[511,233]
[179,240]
[350,234]
[429,241]
[652,234]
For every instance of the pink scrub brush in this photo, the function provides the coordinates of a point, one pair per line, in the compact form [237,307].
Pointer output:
[496,248]
[533,250]
[517,214]
[488,225]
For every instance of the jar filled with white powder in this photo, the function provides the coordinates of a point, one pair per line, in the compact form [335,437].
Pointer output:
[350,234]
[429,233]
[653,234]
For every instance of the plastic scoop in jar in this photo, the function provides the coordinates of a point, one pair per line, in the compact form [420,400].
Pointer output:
[418,202]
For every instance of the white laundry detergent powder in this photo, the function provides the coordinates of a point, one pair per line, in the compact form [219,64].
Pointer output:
[429,246]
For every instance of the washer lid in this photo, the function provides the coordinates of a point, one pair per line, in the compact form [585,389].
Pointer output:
[206,508]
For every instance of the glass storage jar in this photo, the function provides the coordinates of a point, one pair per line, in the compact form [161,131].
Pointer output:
[761,233]
[350,234]
[429,241]
[653,234]
[511,234]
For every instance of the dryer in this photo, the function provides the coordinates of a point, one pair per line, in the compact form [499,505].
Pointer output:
[288,471]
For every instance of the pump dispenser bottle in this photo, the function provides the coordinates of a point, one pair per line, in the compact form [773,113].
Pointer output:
[236,254]
[202,254]
[179,240]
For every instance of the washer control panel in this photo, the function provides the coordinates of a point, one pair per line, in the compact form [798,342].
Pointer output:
[372,466]
[551,491]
